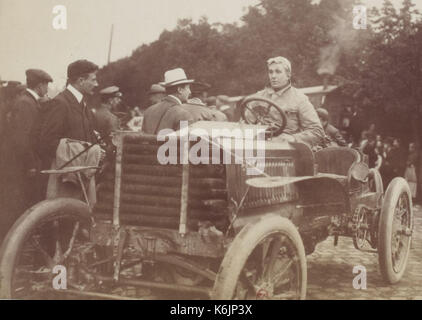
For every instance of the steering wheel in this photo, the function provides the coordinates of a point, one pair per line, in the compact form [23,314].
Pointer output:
[261,111]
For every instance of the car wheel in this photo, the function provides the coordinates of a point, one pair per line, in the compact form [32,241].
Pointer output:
[266,260]
[395,230]
[44,237]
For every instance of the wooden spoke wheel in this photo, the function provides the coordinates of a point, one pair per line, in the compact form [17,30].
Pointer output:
[266,260]
[395,230]
[44,237]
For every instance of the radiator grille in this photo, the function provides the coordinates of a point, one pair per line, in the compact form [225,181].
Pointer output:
[150,193]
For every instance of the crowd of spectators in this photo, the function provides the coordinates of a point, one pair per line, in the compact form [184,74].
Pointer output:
[386,153]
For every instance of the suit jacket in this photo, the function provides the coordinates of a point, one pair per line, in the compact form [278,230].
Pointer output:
[199,112]
[158,116]
[24,123]
[65,118]
[18,156]
[302,120]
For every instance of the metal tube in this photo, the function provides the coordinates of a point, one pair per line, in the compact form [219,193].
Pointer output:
[158,285]
[84,190]
[111,41]
[117,183]
[185,188]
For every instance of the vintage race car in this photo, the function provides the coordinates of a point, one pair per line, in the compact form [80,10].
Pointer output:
[208,229]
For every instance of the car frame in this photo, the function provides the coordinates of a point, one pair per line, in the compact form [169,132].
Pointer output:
[208,231]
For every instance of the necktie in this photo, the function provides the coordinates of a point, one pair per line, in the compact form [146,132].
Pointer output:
[83,103]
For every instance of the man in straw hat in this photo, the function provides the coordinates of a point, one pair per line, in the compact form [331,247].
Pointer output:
[177,87]
[303,124]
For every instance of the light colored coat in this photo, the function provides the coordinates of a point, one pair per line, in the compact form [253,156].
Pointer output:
[302,120]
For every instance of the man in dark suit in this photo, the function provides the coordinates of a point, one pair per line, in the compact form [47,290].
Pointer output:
[178,92]
[68,115]
[69,118]
[20,164]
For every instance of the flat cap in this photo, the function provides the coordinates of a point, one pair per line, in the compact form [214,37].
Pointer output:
[35,76]
[112,91]
[80,67]
[156,88]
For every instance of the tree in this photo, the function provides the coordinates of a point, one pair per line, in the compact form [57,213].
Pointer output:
[232,58]
[390,70]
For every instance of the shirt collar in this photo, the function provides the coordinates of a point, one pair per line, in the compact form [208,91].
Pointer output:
[33,93]
[175,98]
[79,96]
[279,92]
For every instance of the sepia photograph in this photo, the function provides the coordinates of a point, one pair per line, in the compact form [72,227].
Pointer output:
[196,150]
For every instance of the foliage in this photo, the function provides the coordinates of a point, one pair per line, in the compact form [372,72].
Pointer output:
[389,68]
[232,57]
[379,68]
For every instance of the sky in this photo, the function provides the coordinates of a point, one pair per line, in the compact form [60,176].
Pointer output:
[28,39]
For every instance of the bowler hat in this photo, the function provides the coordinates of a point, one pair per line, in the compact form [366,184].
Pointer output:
[79,68]
[175,77]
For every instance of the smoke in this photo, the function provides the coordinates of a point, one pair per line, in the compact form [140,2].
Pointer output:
[342,38]
[329,59]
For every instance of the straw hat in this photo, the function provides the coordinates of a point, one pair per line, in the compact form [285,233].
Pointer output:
[175,77]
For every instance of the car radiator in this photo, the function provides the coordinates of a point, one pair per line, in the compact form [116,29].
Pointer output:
[150,193]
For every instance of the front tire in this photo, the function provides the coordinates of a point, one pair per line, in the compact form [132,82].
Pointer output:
[266,260]
[395,230]
[40,239]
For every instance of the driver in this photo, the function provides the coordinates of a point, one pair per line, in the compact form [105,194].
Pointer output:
[303,124]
